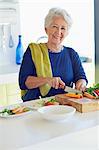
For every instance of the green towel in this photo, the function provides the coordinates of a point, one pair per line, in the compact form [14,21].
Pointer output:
[41,60]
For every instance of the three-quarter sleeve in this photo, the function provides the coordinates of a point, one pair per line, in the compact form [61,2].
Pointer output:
[78,69]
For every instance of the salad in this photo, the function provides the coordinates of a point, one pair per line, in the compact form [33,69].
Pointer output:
[45,102]
[51,102]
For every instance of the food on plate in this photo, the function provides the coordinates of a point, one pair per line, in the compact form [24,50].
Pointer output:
[15,110]
[51,102]
[45,102]
[74,95]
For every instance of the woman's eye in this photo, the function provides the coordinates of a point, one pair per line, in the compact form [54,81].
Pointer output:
[63,28]
[54,26]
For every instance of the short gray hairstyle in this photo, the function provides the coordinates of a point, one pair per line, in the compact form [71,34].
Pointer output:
[54,12]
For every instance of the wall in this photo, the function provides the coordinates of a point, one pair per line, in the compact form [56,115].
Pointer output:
[96,8]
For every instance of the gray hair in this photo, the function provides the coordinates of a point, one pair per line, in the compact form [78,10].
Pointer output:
[57,12]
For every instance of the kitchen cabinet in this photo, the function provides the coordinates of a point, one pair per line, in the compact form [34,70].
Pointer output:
[13,93]
[9,94]
[9,88]
[3,99]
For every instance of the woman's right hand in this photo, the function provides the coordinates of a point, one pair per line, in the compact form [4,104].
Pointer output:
[34,82]
[56,82]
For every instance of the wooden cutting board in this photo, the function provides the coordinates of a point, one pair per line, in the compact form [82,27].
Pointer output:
[82,105]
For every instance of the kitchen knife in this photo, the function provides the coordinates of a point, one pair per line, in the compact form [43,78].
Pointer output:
[71,90]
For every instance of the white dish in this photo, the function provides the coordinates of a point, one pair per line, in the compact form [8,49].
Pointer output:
[36,104]
[6,115]
[56,112]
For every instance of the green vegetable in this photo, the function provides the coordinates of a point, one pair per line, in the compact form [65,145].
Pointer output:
[90,90]
[8,111]
[26,109]
[52,100]
[96,86]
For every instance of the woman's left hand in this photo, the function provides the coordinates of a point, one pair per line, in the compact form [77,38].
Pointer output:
[81,85]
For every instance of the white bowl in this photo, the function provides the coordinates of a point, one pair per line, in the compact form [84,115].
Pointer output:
[56,112]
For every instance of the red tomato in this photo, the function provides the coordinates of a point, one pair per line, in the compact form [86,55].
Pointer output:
[48,103]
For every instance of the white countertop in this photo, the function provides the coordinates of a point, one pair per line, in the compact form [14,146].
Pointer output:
[87,139]
[30,130]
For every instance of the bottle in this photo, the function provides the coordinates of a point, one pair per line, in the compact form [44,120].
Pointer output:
[19,51]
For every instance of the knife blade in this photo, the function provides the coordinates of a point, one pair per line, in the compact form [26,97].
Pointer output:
[71,90]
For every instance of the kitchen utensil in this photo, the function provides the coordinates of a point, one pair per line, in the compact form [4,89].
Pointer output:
[71,90]
[0,36]
[11,42]
[3,38]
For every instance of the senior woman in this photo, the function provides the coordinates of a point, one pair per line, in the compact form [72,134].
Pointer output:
[47,67]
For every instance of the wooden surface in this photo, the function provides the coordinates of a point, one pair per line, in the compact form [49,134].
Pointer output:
[82,105]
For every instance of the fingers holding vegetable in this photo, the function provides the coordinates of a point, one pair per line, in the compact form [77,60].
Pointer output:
[81,85]
[56,82]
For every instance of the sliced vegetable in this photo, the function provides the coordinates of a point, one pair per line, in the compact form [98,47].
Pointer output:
[94,91]
[86,94]
[17,110]
[51,102]
[74,95]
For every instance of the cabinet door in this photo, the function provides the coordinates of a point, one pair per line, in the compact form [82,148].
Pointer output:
[13,93]
[3,99]
[12,89]
[14,99]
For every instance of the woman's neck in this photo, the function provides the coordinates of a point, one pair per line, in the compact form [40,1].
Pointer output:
[53,47]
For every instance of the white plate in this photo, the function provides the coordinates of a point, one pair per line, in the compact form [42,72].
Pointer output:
[56,112]
[36,104]
[14,115]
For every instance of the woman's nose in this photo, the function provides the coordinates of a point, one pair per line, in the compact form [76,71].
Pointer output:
[59,30]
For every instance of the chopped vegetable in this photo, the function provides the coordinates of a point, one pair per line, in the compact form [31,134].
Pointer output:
[94,91]
[51,102]
[16,110]
[97,92]
[74,95]
[86,94]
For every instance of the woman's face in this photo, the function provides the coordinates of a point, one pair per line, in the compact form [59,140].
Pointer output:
[57,30]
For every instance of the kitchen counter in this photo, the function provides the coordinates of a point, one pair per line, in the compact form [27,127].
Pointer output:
[31,130]
[87,139]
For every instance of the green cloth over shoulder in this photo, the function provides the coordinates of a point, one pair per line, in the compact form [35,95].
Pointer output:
[40,57]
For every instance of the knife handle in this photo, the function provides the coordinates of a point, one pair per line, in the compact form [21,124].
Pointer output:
[71,84]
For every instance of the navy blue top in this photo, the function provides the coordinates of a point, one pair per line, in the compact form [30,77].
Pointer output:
[65,64]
